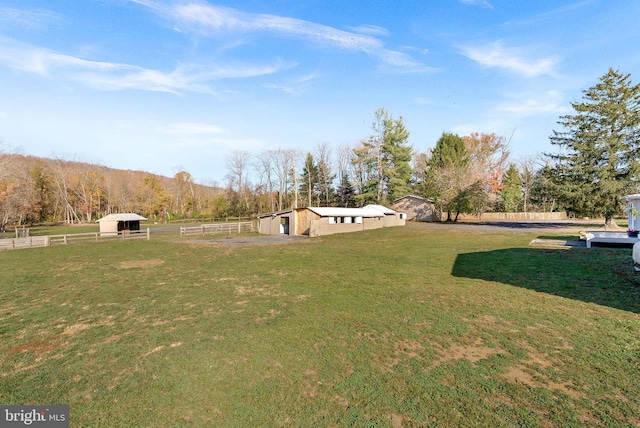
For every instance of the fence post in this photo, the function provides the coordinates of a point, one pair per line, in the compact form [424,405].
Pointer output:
[47,241]
[148,234]
[64,239]
[13,244]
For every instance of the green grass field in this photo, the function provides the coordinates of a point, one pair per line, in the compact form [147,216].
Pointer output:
[393,327]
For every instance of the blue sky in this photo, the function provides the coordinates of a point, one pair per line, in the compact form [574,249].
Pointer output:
[163,85]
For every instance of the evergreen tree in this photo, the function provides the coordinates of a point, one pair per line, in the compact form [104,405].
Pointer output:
[42,205]
[599,157]
[389,154]
[326,177]
[365,179]
[447,175]
[309,181]
[545,190]
[396,156]
[511,191]
[346,192]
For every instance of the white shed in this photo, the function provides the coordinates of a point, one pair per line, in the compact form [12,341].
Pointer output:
[113,224]
[633,210]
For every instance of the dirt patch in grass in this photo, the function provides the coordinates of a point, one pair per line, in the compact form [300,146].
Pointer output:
[474,352]
[519,376]
[39,348]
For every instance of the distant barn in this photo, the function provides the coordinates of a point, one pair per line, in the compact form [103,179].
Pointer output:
[114,224]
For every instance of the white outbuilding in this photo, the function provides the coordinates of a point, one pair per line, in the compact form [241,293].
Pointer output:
[633,210]
[114,224]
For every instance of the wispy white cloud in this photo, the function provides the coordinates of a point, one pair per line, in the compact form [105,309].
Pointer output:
[559,11]
[25,57]
[217,21]
[296,86]
[421,51]
[118,76]
[482,3]
[531,104]
[33,19]
[510,58]
[214,19]
[371,30]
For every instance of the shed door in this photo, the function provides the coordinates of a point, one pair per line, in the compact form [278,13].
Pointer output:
[284,225]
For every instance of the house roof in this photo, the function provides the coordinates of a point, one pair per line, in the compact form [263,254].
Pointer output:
[121,217]
[420,198]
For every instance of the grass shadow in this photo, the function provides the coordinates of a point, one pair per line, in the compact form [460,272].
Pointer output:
[604,276]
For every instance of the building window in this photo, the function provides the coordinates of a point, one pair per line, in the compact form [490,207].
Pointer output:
[358,220]
[332,220]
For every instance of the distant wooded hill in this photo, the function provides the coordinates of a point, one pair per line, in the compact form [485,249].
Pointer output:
[35,189]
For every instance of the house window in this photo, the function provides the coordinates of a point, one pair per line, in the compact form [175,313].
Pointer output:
[358,220]
[332,220]
[347,219]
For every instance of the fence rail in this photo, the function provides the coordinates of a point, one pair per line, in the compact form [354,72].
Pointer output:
[212,229]
[49,240]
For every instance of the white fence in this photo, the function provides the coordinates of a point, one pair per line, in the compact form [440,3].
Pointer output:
[217,228]
[49,240]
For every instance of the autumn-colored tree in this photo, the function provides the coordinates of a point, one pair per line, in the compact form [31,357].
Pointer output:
[183,195]
[488,156]
[152,198]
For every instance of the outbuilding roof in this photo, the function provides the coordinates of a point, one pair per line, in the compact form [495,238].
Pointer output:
[121,217]
[346,212]
[380,208]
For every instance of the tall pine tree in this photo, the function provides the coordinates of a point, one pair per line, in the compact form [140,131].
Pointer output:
[598,158]
[390,156]
[309,181]
[511,191]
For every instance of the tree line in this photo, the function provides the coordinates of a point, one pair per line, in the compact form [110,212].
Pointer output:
[596,164]
[36,190]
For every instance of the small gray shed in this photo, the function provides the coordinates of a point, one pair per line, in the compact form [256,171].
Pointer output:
[113,224]
[417,208]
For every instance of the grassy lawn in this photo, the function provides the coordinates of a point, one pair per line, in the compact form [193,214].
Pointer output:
[393,327]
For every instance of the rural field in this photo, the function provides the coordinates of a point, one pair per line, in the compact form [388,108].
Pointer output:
[406,326]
